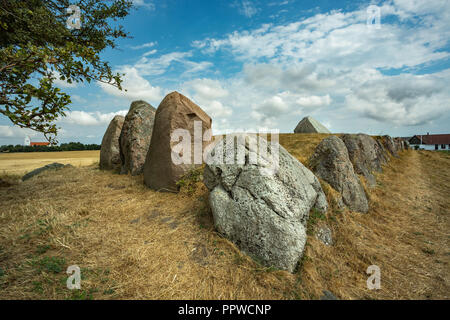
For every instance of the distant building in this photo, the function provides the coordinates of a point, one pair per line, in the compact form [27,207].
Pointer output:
[310,125]
[430,142]
[27,142]
[39,144]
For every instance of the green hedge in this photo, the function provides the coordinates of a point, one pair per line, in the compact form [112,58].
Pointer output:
[71,146]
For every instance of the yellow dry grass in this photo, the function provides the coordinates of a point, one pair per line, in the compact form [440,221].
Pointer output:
[22,162]
[134,243]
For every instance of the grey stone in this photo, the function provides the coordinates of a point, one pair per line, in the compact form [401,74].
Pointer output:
[110,150]
[135,137]
[325,235]
[331,163]
[265,213]
[407,145]
[389,144]
[327,295]
[366,155]
[37,171]
[310,125]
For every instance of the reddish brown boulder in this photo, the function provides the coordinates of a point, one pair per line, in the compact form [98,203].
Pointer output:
[110,150]
[175,112]
[135,137]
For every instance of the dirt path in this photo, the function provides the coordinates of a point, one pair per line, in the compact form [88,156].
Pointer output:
[433,191]
[419,189]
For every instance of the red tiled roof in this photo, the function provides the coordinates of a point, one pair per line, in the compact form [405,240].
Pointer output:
[39,143]
[435,138]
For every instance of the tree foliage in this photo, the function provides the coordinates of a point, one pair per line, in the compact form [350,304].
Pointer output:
[37,47]
[71,146]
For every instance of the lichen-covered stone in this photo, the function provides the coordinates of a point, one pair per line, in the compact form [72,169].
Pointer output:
[110,149]
[331,163]
[135,137]
[264,214]
[366,155]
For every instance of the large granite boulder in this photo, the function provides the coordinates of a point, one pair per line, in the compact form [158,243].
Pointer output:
[264,213]
[135,137]
[389,145]
[175,113]
[331,163]
[110,150]
[366,155]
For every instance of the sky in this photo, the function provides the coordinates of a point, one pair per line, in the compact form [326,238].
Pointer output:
[253,64]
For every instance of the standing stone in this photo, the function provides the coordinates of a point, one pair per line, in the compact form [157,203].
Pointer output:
[407,146]
[365,154]
[135,137]
[310,125]
[265,215]
[331,163]
[175,112]
[110,150]
[389,145]
[399,144]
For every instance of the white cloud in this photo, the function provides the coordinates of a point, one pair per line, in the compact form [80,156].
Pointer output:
[83,118]
[404,99]
[208,93]
[246,8]
[78,98]
[314,101]
[338,39]
[137,87]
[15,132]
[157,66]
[207,88]
[149,53]
[142,3]
[144,45]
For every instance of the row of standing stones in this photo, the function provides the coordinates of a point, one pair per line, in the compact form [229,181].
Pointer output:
[266,216]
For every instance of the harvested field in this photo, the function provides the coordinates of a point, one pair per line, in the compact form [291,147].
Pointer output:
[20,163]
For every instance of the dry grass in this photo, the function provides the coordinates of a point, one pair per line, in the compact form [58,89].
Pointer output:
[22,162]
[302,145]
[134,243]
[129,241]
[405,233]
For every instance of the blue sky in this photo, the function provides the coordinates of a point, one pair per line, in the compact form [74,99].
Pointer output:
[266,64]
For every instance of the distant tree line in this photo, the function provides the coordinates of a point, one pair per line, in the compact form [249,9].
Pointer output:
[71,146]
